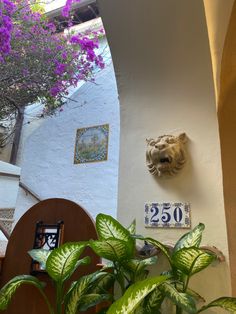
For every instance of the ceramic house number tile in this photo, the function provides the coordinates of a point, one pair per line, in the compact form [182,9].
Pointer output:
[167,215]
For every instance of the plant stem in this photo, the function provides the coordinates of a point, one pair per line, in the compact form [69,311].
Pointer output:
[121,281]
[51,311]
[120,278]
[186,284]
[178,310]
[59,297]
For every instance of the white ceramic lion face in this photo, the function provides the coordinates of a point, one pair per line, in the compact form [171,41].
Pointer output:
[165,155]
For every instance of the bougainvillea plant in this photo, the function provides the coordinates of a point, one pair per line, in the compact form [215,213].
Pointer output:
[37,63]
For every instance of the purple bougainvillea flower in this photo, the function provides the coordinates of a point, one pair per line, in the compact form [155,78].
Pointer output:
[45,63]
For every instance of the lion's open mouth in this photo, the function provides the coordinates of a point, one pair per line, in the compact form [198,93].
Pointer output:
[164,163]
[165,160]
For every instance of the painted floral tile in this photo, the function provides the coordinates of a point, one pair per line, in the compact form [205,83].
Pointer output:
[91,144]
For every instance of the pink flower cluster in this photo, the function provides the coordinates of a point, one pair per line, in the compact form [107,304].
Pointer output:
[25,35]
[7,9]
[67,7]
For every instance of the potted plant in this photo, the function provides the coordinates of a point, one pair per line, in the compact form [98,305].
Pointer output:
[60,264]
[147,296]
[138,293]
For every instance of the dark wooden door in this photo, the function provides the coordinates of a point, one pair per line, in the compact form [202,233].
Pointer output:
[78,226]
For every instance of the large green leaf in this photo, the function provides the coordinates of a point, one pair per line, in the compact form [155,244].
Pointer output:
[134,295]
[153,301]
[138,266]
[62,262]
[158,245]
[182,300]
[141,310]
[192,260]
[112,249]
[227,303]
[191,292]
[10,288]
[108,227]
[190,239]
[102,284]
[90,300]
[79,289]
[40,255]
[135,264]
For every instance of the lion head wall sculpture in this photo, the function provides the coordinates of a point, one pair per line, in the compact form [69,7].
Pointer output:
[165,155]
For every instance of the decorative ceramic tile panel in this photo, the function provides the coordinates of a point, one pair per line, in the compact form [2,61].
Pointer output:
[6,220]
[167,215]
[91,144]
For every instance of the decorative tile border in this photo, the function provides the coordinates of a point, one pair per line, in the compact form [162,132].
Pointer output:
[167,215]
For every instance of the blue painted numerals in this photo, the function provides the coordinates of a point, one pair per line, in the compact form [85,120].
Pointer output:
[174,215]
[166,214]
[155,210]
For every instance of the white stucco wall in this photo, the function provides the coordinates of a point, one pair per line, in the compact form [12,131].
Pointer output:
[24,201]
[47,151]
[162,60]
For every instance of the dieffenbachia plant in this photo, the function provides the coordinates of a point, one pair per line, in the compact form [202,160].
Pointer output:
[139,294]
[60,264]
[117,244]
[145,296]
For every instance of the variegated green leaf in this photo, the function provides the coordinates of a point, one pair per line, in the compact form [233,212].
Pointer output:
[40,256]
[134,295]
[62,262]
[90,300]
[112,249]
[137,266]
[227,303]
[153,301]
[10,288]
[158,245]
[182,300]
[78,289]
[192,293]
[190,239]
[102,284]
[81,262]
[73,297]
[108,227]
[132,227]
[142,310]
[192,260]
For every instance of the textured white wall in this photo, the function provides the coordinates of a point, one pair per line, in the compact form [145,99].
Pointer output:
[24,201]
[47,151]
[166,86]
